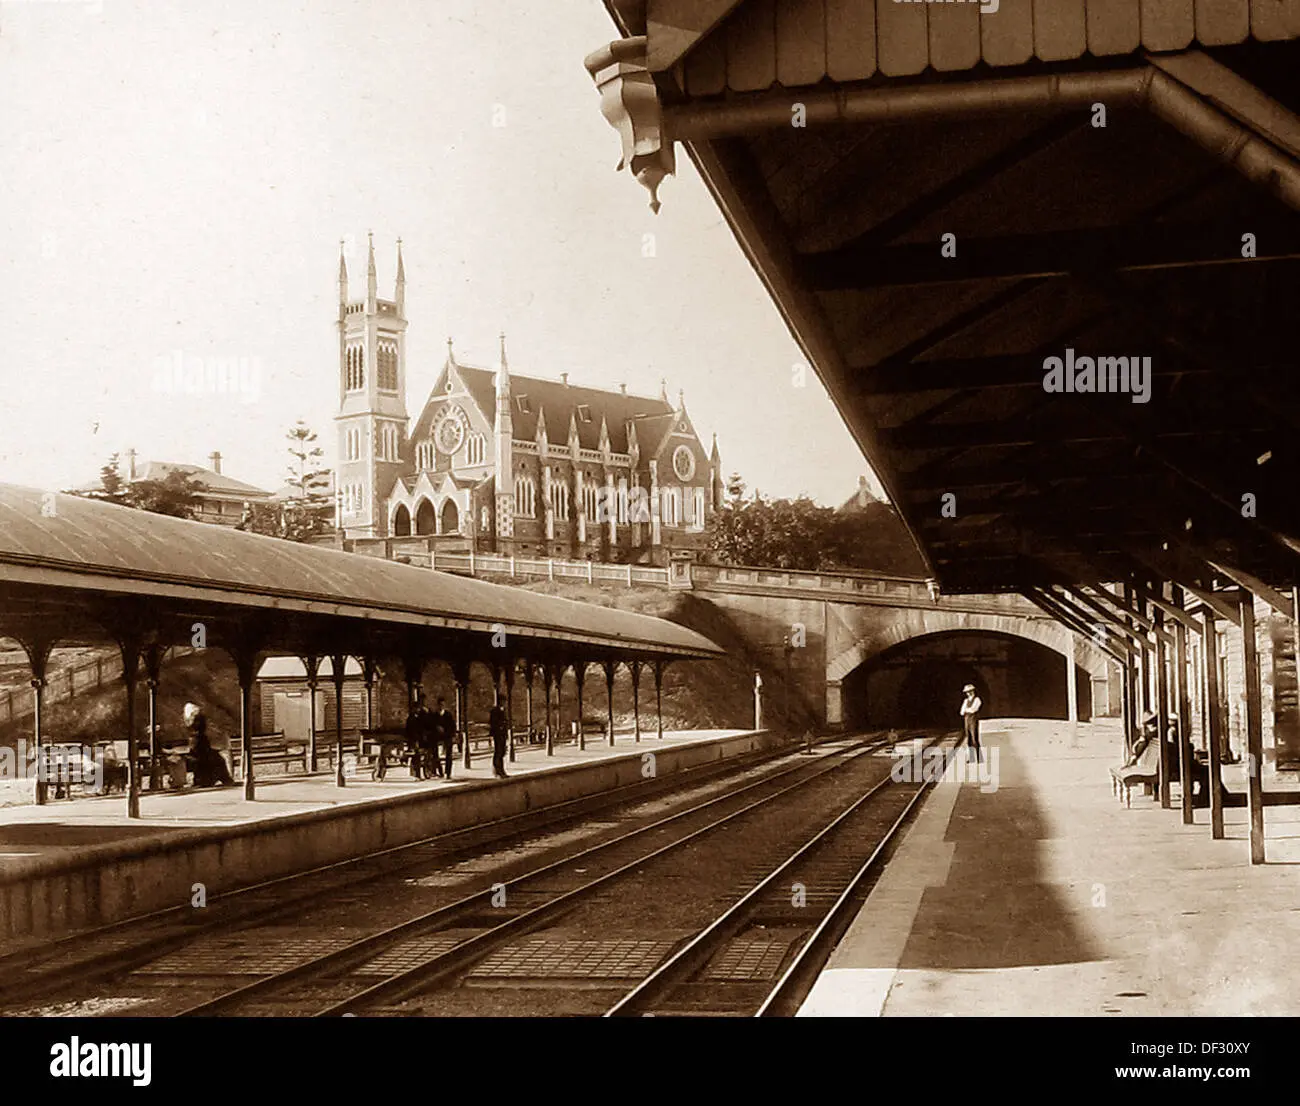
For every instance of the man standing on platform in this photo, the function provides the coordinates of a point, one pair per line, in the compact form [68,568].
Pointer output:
[444,732]
[970,718]
[499,729]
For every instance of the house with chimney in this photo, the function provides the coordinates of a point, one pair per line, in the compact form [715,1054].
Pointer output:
[218,498]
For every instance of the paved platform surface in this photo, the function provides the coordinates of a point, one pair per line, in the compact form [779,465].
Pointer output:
[1045,897]
[75,825]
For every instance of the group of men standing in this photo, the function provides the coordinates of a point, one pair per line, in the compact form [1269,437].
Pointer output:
[431,735]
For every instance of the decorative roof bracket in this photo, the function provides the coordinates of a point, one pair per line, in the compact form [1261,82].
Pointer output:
[630,101]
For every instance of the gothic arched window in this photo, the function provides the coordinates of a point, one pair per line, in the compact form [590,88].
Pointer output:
[387,378]
[476,450]
[525,496]
[672,508]
[560,500]
[355,361]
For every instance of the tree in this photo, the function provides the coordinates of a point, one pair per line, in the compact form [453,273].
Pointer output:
[112,488]
[306,512]
[306,473]
[802,535]
[175,495]
[774,533]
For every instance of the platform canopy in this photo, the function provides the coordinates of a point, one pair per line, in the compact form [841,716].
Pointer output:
[942,199]
[78,570]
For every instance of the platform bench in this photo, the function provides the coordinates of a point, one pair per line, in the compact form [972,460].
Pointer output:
[1146,772]
[271,748]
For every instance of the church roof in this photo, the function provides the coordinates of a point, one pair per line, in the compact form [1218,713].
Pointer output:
[561,402]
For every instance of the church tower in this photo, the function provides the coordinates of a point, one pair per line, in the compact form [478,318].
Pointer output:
[372,419]
[503,458]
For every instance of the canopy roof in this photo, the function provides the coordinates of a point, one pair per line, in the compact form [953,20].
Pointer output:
[1110,189]
[83,569]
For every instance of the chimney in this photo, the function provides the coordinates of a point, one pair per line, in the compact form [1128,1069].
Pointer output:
[214,462]
[565,378]
[623,388]
[130,464]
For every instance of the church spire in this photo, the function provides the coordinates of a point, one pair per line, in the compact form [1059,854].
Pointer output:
[372,283]
[399,296]
[503,370]
[343,281]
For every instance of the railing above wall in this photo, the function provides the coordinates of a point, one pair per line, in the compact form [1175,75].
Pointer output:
[845,587]
[854,587]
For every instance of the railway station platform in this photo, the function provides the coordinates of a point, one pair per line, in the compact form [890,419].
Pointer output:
[80,862]
[1037,894]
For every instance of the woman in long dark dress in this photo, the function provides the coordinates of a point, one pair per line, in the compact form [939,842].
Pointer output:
[208,766]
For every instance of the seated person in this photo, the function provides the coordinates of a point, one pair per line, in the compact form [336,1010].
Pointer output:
[1133,766]
[1144,739]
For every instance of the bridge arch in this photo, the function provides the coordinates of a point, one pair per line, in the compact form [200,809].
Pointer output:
[1041,631]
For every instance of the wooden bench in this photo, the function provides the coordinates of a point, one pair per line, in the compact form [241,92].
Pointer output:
[1146,772]
[269,748]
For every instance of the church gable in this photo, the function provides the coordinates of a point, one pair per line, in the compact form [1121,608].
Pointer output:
[681,453]
[453,424]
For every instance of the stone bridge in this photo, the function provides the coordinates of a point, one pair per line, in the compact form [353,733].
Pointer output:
[861,649]
[872,650]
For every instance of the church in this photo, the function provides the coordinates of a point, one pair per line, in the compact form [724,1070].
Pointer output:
[503,463]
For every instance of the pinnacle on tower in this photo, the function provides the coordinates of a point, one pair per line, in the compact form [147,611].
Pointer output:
[372,283]
[400,294]
[342,281]
[503,370]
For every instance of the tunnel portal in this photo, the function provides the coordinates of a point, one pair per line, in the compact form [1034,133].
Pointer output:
[919,681]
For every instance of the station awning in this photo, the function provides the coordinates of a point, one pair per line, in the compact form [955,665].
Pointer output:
[76,567]
[946,204]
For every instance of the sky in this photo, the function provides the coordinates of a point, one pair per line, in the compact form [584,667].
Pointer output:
[175,180]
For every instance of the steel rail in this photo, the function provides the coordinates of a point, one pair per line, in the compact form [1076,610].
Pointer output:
[701,948]
[13,987]
[792,988]
[440,965]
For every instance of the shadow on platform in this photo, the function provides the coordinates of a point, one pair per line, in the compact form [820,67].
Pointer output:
[997,908]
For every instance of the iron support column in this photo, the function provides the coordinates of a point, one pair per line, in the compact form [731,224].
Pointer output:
[1254,727]
[1213,722]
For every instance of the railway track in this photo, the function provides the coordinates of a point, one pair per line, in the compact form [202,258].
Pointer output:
[88,955]
[699,980]
[63,969]
[379,970]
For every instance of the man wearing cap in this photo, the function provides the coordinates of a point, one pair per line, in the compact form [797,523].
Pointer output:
[970,718]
